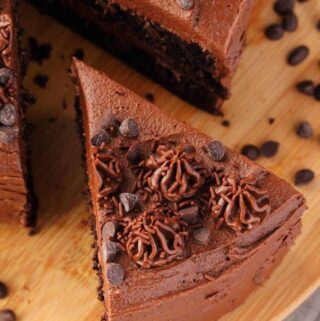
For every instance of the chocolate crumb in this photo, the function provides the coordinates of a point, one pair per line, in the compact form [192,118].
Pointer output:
[202,235]
[274,32]
[226,123]
[271,120]
[281,7]
[298,55]
[115,274]
[129,201]
[109,230]
[109,250]
[79,54]
[306,87]
[134,153]
[64,104]
[7,315]
[3,290]
[39,52]
[186,4]
[269,148]
[149,97]
[318,25]
[190,214]
[303,177]
[41,80]
[251,151]
[290,21]
[304,130]
[317,92]
[129,128]
[99,138]
[52,119]
[8,115]
[216,150]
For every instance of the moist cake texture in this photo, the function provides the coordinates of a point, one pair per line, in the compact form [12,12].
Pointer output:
[191,50]
[185,228]
[16,199]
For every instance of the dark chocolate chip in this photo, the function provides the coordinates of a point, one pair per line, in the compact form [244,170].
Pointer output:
[251,151]
[306,87]
[115,274]
[129,128]
[109,250]
[8,135]
[109,230]
[202,235]
[79,54]
[290,21]
[7,315]
[186,4]
[216,150]
[129,201]
[317,92]
[99,138]
[274,32]
[190,214]
[134,153]
[298,55]
[8,115]
[41,80]
[303,177]
[305,130]
[3,290]
[5,75]
[269,148]
[283,6]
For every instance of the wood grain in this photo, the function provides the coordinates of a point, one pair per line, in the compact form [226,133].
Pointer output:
[50,274]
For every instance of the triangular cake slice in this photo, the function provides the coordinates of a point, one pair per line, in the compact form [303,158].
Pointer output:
[16,199]
[186,228]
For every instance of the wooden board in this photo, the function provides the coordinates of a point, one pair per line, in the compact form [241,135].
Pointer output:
[50,274]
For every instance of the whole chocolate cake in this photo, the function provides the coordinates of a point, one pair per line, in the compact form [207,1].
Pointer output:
[192,47]
[185,228]
[16,199]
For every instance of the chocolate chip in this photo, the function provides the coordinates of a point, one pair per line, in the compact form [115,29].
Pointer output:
[115,274]
[251,151]
[274,32]
[109,230]
[305,130]
[129,201]
[306,87]
[3,290]
[186,4]
[283,6]
[8,135]
[109,250]
[269,148]
[129,128]
[7,315]
[99,138]
[8,115]
[190,214]
[216,150]
[5,75]
[298,55]
[202,235]
[290,21]
[303,177]
[134,153]
[317,92]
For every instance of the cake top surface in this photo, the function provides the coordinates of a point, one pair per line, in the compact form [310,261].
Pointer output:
[211,24]
[173,198]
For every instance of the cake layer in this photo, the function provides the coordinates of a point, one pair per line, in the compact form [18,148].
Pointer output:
[16,198]
[249,216]
[195,61]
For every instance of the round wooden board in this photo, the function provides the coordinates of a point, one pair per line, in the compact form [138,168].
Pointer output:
[50,275]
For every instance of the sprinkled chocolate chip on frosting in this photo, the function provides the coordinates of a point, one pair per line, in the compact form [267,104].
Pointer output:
[114,274]
[186,4]
[202,235]
[109,230]
[129,128]
[99,138]
[7,315]
[190,214]
[134,153]
[304,177]
[216,150]
[8,115]
[109,250]
[129,201]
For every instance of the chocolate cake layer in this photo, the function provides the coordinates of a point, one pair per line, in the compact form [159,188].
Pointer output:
[191,52]
[16,198]
[180,218]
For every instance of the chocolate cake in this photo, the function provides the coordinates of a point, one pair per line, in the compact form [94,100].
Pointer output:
[192,47]
[16,200]
[185,228]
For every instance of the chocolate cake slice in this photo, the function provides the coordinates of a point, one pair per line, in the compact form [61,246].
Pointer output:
[185,227]
[192,47]
[16,199]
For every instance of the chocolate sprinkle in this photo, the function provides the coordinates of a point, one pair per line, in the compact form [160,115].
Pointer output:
[128,201]
[3,290]
[269,148]
[99,138]
[304,130]
[216,150]
[298,55]
[109,230]
[109,250]
[274,32]
[202,235]
[8,115]
[190,214]
[251,151]
[7,315]
[114,274]
[306,87]
[186,4]
[129,128]
[303,177]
